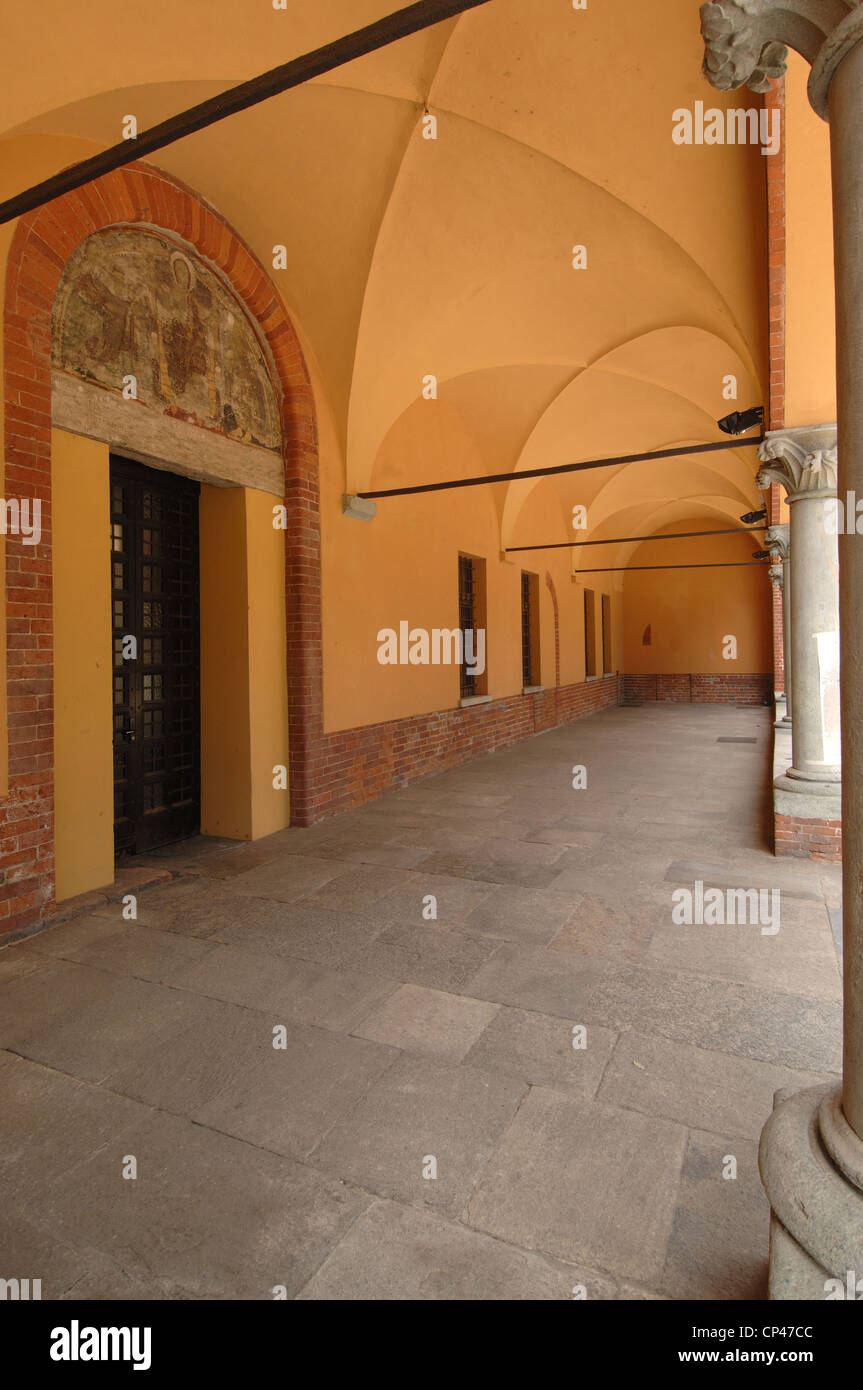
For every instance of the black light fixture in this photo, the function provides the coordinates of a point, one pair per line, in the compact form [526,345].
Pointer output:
[751,517]
[742,420]
[761,554]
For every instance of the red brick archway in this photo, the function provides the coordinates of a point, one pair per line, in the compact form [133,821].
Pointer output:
[43,242]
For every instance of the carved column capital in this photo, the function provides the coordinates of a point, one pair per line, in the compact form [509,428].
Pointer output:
[803,460]
[747,41]
[778,541]
[776,575]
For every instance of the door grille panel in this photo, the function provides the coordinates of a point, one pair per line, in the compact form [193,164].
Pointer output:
[154,570]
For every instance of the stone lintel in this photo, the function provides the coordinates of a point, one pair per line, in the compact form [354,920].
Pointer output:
[137,431]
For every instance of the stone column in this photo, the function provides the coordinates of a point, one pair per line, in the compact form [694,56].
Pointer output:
[845,97]
[804,462]
[778,542]
[811,1151]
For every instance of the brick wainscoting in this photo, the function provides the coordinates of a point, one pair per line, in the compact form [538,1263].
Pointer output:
[699,689]
[355,765]
[808,839]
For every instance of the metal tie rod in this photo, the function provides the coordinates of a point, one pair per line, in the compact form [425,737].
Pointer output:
[622,540]
[382,32]
[560,468]
[631,569]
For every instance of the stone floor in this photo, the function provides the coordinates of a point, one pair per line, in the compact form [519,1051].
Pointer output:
[288,1044]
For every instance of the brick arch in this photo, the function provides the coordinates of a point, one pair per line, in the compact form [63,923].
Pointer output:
[42,244]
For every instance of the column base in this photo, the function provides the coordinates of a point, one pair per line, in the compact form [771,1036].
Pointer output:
[792,1274]
[807,816]
[803,785]
[811,1165]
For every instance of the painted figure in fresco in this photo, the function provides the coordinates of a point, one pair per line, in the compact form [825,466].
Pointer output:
[132,303]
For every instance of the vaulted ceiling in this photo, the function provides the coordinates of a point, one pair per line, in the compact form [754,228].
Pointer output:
[453,257]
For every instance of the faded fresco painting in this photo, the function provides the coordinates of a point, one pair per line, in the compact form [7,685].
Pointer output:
[132,303]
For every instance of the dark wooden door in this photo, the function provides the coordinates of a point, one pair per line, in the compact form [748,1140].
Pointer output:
[156,631]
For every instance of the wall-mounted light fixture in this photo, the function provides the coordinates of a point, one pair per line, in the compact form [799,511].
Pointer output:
[742,420]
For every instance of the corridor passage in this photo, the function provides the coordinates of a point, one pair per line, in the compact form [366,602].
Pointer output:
[346,1062]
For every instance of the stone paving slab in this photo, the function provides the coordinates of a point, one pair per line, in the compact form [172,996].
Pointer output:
[527,916]
[88,1022]
[720,1236]
[297,990]
[702,1089]
[542,981]
[489,868]
[539,1049]
[286,879]
[364,850]
[363,886]
[287,1099]
[302,930]
[50,1123]
[422,1109]
[207,1213]
[70,1272]
[198,907]
[455,899]
[31,1245]
[608,929]
[123,948]
[796,960]
[743,1020]
[790,884]
[429,1021]
[15,963]
[583,1182]
[213,1053]
[400,1253]
[424,954]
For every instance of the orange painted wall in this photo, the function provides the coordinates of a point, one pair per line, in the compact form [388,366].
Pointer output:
[83,708]
[691,612]
[404,565]
[810,363]
[244,705]
[226,793]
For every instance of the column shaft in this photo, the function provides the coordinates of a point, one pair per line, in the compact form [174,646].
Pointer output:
[786,634]
[814,610]
[846,130]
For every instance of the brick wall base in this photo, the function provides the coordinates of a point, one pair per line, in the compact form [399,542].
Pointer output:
[353,766]
[808,839]
[731,689]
